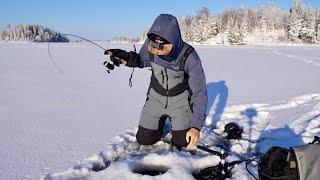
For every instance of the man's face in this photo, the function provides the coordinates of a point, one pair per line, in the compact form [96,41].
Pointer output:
[165,51]
[158,46]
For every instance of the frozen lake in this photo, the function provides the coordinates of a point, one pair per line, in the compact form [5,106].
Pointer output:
[51,120]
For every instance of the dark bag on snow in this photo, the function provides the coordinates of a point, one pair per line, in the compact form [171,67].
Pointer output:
[296,163]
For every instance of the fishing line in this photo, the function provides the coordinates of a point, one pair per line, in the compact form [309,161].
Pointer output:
[52,60]
[131,75]
[73,35]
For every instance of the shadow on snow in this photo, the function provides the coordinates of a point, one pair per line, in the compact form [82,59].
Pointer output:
[218,93]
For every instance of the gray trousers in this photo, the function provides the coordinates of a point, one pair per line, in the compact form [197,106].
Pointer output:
[178,109]
[155,112]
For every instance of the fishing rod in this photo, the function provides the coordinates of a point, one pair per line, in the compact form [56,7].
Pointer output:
[110,66]
[85,40]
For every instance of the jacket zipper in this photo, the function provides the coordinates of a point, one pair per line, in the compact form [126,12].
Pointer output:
[162,76]
[165,70]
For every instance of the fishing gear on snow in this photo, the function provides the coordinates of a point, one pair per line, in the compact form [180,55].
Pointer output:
[223,169]
[219,172]
[233,131]
[296,163]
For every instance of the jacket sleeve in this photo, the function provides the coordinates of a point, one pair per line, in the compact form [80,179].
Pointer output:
[145,55]
[197,84]
[140,60]
[134,60]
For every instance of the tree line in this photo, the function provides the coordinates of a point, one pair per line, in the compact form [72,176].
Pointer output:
[34,33]
[265,22]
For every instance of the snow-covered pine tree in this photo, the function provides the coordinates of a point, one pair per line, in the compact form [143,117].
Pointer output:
[183,28]
[317,26]
[233,32]
[213,25]
[295,22]
[318,33]
[222,22]
[185,25]
[28,33]
[7,33]
[203,17]
[280,18]
[229,29]
[245,23]
[201,26]
[238,35]
[263,24]
[194,30]
[308,26]
[274,17]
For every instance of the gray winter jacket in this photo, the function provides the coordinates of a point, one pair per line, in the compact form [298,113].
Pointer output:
[167,27]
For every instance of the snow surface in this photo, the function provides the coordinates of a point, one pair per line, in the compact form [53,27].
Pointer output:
[61,124]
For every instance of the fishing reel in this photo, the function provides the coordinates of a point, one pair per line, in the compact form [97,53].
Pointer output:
[115,62]
[108,65]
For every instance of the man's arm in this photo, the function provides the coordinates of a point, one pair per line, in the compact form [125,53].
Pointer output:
[119,56]
[130,59]
[197,84]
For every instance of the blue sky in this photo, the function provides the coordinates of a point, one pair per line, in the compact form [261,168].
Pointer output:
[103,19]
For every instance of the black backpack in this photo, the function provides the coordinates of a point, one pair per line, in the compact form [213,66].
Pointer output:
[299,162]
[275,164]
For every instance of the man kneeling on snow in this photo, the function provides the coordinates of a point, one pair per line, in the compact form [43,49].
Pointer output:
[177,89]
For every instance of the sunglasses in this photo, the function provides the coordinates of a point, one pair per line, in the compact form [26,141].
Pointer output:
[157,41]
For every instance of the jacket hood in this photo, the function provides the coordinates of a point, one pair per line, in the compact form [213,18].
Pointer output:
[168,28]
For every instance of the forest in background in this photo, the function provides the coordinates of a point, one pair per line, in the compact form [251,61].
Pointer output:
[264,24]
[33,33]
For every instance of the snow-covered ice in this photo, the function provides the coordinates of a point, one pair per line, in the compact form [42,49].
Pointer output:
[62,124]
[257,126]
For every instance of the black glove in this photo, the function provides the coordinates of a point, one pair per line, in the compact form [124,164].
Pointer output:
[116,55]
